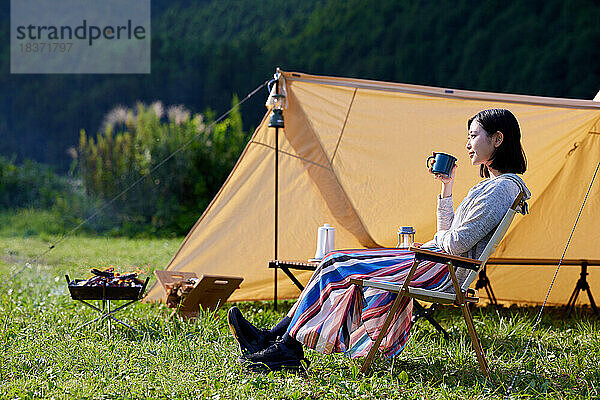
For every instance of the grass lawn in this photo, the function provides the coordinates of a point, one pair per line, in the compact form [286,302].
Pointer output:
[42,356]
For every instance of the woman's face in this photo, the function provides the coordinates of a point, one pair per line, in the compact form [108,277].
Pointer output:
[479,145]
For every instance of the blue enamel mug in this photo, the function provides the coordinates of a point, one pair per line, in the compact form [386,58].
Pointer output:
[442,163]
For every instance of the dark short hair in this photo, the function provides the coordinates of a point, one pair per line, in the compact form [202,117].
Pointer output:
[509,156]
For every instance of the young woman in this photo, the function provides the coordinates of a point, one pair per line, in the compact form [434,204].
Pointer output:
[331,315]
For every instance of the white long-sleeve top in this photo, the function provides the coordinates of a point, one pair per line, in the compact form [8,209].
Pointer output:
[468,230]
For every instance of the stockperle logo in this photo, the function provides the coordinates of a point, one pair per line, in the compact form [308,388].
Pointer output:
[80,36]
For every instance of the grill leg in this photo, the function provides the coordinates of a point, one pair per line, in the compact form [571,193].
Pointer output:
[109,320]
[107,313]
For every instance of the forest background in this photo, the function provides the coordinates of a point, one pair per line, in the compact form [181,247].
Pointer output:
[72,142]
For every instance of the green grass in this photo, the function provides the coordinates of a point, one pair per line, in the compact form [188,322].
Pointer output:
[42,356]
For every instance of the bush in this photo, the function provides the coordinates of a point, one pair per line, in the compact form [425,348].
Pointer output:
[31,185]
[167,197]
[27,222]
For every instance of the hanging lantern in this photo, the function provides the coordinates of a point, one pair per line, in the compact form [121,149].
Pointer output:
[278,103]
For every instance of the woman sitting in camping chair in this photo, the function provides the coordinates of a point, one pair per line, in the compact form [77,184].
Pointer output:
[332,315]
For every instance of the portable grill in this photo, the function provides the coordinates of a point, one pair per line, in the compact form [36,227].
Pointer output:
[105,294]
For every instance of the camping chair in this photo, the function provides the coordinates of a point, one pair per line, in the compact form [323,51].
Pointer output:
[461,297]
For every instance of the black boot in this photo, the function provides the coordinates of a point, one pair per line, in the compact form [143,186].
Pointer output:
[282,326]
[286,352]
[250,338]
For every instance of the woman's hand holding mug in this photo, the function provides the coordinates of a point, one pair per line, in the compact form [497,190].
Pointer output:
[443,168]
[445,179]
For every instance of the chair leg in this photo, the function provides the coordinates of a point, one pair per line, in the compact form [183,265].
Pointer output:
[483,366]
[460,297]
[382,333]
[389,318]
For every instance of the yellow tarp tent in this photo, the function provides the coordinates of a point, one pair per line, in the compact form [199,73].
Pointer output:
[353,153]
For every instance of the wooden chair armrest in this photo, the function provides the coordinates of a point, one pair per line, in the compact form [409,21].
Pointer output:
[457,261]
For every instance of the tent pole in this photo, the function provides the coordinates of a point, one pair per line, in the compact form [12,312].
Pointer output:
[276,204]
[277,101]
[276,212]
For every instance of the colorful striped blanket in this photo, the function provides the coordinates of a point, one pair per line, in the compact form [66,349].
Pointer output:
[333,316]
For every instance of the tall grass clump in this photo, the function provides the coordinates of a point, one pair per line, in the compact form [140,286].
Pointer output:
[132,143]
